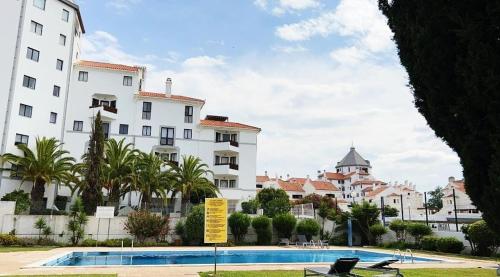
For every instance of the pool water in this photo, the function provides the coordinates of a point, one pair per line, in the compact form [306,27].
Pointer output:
[223,257]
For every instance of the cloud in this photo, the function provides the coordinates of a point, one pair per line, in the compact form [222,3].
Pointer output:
[281,7]
[348,55]
[289,49]
[204,61]
[121,5]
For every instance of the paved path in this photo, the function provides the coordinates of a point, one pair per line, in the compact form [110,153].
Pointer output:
[16,263]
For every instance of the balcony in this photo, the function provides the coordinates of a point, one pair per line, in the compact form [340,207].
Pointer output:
[107,112]
[226,146]
[226,169]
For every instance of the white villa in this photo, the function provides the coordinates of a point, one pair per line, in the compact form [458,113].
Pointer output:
[49,91]
[465,208]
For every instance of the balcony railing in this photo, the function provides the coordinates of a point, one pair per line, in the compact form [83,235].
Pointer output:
[106,108]
[231,165]
[231,142]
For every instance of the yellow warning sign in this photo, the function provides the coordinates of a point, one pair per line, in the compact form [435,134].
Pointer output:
[215,220]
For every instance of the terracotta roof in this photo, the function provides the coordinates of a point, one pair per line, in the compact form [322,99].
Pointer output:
[226,124]
[300,181]
[288,186]
[393,194]
[110,66]
[322,185]
[376,191]
[341,200]
[459,185]
[262,179]
[334,176]
[171,97]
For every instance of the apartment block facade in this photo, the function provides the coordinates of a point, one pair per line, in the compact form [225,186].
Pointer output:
[52,92]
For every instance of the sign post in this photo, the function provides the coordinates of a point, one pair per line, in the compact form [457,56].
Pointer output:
[104,212]
[215,224]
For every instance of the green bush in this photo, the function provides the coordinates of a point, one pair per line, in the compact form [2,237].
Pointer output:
[483,241]
[418,230]
[390,211]
[239,223]
[194,226]
[250,207]
[21,198]
[262,226]
[308,227]
[117,242]
[8,240]
[284,224]
[77,221]
[339,240]
[145,225]
[399,227]
[449,245]
[377,231]
[273,201]
[88,243]
[429,243]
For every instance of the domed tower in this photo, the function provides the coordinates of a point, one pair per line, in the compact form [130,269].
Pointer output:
[353,162]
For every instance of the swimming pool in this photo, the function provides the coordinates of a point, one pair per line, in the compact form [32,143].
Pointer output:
[133,258]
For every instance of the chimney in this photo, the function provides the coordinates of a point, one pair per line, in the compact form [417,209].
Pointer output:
[451,179]
[168,87]
[287,176]
[307,176]
[265,173]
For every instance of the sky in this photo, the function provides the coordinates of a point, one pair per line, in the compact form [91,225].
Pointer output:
[316,75]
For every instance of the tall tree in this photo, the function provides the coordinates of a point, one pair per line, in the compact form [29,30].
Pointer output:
[450,50]
[365,215]
[191,175]
[47,164]
[117,169]
[94,160]
[435,202]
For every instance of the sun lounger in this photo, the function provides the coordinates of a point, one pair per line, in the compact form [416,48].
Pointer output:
[341,267]
[284,242]
[302,241]
[383,266]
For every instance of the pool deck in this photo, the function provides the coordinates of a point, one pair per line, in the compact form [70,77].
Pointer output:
[17,263]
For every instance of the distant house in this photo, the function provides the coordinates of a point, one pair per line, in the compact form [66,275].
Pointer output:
[463,203]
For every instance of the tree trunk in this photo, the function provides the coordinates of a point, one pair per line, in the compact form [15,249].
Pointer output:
[91,199]
[37,193]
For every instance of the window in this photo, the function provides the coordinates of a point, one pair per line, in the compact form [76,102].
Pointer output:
[53,118]
[188,114]
[146,130]
[62,39]
[25,110]
[83,76]
[65,15]
[146,110]
[127,81]
[15,171]
[29,82]
[232,184]
[39,4]
[59,65]
[56,91]
[166,136]
[105,128]
[123,129]
[77,126]
[36,28]
[220,137]
[21,139]
[33,54]
[188,133]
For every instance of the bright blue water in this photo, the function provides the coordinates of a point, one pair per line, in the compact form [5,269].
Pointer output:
[223,257]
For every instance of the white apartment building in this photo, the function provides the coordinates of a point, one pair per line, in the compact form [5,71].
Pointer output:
[464,207]
[54,99]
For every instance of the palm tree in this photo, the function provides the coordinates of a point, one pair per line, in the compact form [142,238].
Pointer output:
[117,169]
[150,179]
[191,176]
[47,164]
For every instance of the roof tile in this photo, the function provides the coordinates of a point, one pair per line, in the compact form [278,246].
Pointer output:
[110,66]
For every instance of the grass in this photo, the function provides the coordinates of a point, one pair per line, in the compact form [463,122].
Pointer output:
[424,272]
[466,256]
[22,249]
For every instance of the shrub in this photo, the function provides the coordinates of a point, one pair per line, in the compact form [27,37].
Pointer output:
[429,243]
[40,225]
[449,245]
[273,201]
[21,198]
[390,211]
[117,242]
[88,243]
[77,221]
[284,224]
[250,207]
[144,225]
[483,241]
[8,240]
[339,240]
[398,245]
[308,227]
[262,226]
[377,231]
[194,225]
[418,230]
[239,223]
[399,227]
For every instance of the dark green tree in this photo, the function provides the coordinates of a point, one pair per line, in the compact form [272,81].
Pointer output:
[435,202]
[390,211]
[94,160]
[365,215]
[273,201]
[450,50]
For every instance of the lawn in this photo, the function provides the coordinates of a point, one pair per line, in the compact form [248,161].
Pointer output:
[22,249]
[469,272]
